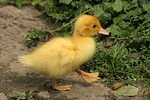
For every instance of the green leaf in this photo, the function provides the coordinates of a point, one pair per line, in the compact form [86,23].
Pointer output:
[13,95]
[65,1]
[34,2]
[20,93]
[30,97]
[146,7]
[105,18]
[114,30]
[147,17]
[18,3]
[5,1]
[79,11]
[107,5]
[36,91]
[136,12]
[117,6]
[73,4]
[123,24]
[26,2]
[21,98]
[127,91]
[28,92]
[134,33]
[130,29]
[108,29]
[132,6]
[97,11]
[125,5]
[117,19]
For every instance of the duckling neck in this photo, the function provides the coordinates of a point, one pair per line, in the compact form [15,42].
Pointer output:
[79,39]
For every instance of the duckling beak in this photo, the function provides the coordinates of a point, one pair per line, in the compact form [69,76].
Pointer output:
[103,32]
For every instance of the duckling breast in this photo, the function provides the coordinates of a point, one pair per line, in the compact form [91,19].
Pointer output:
[85,50]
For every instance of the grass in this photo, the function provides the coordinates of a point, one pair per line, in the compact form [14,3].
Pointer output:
[28,95]
[115,64]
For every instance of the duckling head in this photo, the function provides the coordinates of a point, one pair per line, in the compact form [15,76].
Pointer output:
[88,25]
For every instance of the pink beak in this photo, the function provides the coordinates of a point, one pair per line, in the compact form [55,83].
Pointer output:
[103,32]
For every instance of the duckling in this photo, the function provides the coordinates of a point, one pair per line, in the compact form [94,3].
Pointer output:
[62,55]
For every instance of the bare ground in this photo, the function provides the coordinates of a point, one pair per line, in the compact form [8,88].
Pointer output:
[14,24]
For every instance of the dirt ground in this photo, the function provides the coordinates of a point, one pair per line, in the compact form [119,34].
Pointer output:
[14,24]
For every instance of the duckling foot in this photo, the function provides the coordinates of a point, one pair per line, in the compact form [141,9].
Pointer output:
[60,87]
[88,77]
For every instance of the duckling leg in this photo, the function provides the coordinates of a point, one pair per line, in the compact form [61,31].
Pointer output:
[88,77]
[60,87]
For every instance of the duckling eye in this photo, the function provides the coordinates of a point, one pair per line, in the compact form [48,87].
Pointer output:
[94,26]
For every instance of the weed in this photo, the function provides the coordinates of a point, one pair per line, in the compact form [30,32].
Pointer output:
[115,64]
[28,95]
[19,3]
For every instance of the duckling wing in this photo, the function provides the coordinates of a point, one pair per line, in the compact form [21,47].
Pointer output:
[67,55]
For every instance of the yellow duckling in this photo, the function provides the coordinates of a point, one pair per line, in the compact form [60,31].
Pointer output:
[62,55]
